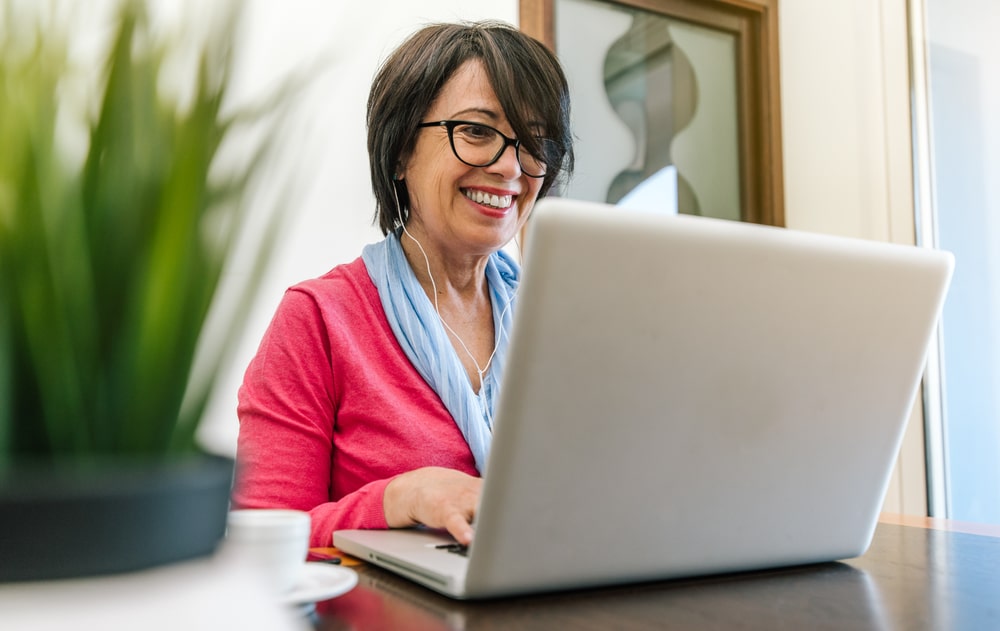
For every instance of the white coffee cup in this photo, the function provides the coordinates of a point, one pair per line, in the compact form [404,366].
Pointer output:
[273,542]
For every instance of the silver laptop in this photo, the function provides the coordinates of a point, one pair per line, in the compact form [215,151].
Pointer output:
[686,396]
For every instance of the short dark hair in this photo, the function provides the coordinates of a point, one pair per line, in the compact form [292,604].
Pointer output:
[525,75]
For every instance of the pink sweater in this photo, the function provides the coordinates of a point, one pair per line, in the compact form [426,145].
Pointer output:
[331,409]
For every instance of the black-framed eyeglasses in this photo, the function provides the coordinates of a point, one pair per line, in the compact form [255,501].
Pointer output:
[479,145]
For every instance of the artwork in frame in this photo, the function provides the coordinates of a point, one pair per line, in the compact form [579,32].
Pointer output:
[676,103]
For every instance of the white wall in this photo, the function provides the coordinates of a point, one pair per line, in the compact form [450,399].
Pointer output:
[839,117]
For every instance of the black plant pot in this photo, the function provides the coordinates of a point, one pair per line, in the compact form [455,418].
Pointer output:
[117,517]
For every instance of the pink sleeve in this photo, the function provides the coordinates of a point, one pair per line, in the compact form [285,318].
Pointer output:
[287,408]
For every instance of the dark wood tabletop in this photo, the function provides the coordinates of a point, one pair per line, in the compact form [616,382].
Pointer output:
[922,576]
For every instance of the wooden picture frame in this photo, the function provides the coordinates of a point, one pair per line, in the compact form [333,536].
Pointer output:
[754,25]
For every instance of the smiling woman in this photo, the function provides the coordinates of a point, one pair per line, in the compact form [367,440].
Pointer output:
[370,401]
[440,185]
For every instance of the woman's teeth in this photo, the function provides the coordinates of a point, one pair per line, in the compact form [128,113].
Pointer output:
[486,199]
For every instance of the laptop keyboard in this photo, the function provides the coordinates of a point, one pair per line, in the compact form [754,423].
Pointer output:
[454,548]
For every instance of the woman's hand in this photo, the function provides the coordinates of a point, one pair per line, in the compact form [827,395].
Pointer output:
[435,497]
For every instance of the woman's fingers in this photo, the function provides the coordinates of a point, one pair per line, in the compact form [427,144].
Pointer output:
[435,497]
[459,528]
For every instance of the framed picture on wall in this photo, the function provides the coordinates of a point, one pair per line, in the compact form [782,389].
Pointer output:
[676,103]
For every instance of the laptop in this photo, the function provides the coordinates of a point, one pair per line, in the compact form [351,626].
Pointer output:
[686,396]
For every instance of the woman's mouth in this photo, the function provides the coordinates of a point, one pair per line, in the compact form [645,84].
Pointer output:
[499,202]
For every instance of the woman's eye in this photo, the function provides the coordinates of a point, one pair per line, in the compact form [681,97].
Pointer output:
[477,132]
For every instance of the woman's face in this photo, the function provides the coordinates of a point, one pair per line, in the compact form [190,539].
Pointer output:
[444,191]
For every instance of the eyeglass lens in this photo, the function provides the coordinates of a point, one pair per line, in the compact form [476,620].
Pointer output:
[481,145]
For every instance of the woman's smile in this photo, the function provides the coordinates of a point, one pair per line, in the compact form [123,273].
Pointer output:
[501,201]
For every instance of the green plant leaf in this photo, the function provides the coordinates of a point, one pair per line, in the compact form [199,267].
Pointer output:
[109,268]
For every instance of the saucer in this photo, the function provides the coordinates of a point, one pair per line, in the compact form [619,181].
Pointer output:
[320,581]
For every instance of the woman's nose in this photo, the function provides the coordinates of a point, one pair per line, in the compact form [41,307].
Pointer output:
[507,164]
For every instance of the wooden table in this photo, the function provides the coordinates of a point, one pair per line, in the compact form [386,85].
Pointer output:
[919,573]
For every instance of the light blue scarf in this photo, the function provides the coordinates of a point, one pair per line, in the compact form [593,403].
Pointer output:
[419,331]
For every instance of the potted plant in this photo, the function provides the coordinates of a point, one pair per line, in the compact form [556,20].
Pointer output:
[109,264]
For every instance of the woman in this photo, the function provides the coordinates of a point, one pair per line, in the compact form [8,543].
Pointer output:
[371,398]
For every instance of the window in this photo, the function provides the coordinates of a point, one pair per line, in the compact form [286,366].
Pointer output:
[961,207]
